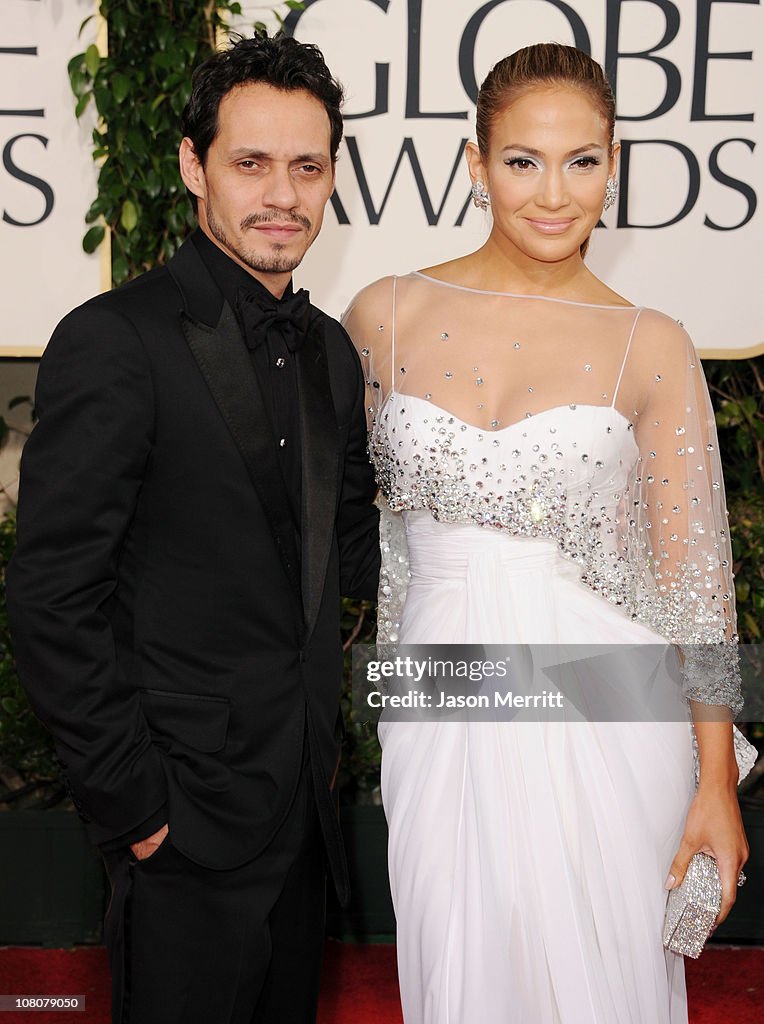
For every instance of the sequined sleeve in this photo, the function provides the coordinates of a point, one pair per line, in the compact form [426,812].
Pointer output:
[369,320]
[678,535]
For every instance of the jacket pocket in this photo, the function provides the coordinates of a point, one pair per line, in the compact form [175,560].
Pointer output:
[197,720]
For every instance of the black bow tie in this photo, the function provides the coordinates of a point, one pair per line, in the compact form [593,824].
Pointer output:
[289,317]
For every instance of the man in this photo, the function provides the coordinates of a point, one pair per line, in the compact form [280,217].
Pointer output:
[195,497]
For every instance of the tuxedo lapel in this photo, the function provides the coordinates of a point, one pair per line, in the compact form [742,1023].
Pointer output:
[225,364]
[320,454]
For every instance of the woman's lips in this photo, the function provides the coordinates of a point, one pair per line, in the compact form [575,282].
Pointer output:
[550,227]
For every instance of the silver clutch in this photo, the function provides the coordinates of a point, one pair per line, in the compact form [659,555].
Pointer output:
[693,907]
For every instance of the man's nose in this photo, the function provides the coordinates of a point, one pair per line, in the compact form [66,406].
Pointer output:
[280,189]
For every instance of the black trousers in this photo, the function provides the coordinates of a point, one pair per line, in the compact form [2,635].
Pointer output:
[190,945]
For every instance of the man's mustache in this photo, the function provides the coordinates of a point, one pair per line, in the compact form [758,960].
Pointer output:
[266,218]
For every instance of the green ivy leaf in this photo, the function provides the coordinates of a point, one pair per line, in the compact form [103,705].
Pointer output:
[93,238]
[79,81]
[82,103]
[92,60]
[129,216]
[103,99]
[749,405]
[118,23]
[75,64]
[136,140]
[119,270]
[120,86]
[170,174]
[153,184]
[176,219]
[752,625]
[151,118]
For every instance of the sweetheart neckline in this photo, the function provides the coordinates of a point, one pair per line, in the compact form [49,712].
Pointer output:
[510,426]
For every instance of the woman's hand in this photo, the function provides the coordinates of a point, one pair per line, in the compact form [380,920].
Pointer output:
[714,826]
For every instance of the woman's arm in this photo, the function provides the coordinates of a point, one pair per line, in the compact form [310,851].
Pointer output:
[714,824]
[682,533]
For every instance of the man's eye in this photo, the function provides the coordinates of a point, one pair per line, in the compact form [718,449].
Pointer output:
[247,164]
[311,168]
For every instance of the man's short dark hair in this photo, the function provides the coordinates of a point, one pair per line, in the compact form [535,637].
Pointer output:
[279,61]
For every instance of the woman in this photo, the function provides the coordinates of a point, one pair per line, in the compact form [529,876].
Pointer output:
[549,450]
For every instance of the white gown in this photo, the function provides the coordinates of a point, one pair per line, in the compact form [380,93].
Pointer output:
[529,459]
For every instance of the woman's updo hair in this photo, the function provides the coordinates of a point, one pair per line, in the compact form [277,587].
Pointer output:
[545,65]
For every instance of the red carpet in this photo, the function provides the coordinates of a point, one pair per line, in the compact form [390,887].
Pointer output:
[725,985]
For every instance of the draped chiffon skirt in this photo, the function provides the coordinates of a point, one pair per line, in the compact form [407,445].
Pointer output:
[527,858]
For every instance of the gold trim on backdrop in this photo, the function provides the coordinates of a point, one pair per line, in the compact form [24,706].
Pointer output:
[732,353]
[221,36]
[705,353]
[102,42]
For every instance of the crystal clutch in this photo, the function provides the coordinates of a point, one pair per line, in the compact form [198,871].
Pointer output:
[693,907]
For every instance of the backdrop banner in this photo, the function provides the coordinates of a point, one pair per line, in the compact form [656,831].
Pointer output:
[47,178]
[683,236]
[686,234]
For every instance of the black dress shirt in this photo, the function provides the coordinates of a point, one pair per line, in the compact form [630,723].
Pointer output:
[273,362]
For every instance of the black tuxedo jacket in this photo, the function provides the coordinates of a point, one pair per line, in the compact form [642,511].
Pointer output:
[170,625]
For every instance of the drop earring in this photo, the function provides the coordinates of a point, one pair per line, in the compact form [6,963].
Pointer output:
[611,194]
[480,196]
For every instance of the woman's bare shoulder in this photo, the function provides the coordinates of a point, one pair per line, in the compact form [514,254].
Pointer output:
[461,271]
[594,290]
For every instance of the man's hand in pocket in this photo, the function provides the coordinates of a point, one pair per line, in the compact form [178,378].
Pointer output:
[148,847]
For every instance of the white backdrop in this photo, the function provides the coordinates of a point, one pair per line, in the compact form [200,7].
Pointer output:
[47,175]
[410,68]
[426,51]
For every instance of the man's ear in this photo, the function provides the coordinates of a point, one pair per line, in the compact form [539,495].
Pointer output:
[191,170]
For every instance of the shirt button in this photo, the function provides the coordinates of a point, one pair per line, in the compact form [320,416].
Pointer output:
[282,442]
[281,362]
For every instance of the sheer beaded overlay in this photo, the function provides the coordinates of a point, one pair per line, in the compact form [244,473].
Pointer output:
[587,425]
